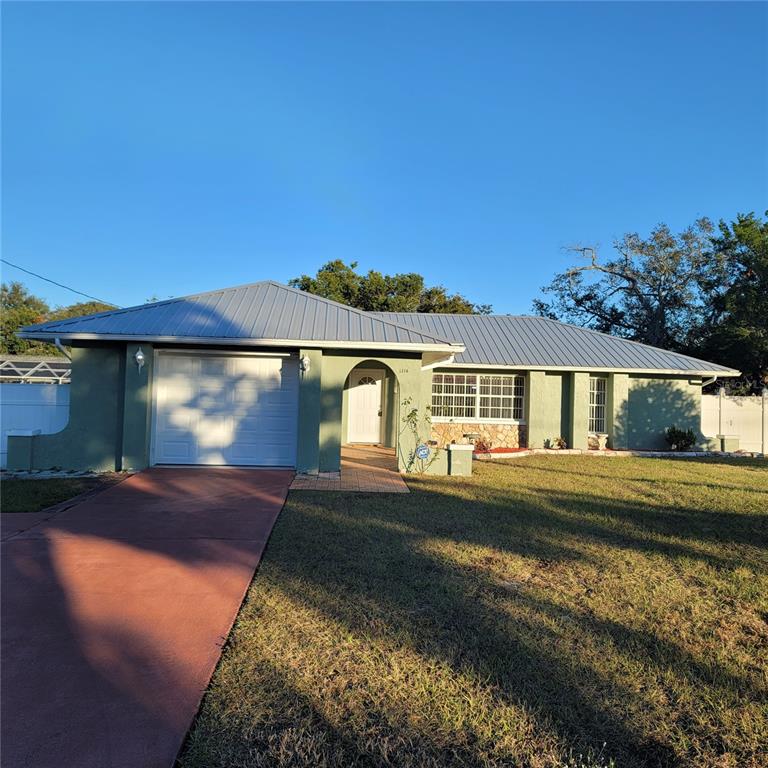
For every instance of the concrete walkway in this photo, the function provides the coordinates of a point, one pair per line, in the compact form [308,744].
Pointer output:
[114,612]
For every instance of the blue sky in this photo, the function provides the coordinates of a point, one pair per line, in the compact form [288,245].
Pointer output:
[165,149]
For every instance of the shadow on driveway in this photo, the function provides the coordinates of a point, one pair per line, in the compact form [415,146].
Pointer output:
[114,612]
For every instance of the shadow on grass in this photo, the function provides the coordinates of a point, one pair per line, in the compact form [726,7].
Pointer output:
[387,575]
[700,469]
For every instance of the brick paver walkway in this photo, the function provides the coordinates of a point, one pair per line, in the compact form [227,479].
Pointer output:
[366,468]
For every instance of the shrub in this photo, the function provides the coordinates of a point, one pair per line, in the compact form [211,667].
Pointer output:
[679,439]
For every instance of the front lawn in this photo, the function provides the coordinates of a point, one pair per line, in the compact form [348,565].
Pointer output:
[548,611]
[33,495]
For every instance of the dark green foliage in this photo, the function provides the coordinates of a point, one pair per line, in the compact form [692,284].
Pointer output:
[679,439]
[79,310]
[20,307]
[702,292]
[738,335]
[656,290]
[376,292]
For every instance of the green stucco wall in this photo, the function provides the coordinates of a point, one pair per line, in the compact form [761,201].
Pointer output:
[137,411]
[412,383]
[547,407]
[658,403]
[308,448]
[93,436]
[638,410]
[390,410]
[111,400]
[579,411]
[617,411]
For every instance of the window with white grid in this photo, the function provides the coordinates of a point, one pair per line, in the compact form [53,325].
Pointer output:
[597,401]
[453,395]
[478,398]
[501,397]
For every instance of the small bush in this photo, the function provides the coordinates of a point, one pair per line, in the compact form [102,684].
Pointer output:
[679,439]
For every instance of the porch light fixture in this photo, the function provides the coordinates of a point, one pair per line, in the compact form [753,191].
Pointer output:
[140,359]
[305,363]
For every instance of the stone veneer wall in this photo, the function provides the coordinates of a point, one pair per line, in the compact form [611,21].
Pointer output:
[491,435]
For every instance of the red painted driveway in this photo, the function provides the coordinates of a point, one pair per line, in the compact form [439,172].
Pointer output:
[114,612]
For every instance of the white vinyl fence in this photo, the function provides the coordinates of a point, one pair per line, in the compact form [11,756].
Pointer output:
[31,407]
[742,417]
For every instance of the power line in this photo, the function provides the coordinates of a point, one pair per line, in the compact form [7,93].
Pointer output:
[61,285]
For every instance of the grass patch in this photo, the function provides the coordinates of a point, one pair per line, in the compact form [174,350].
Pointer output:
[33,495]
[551,611]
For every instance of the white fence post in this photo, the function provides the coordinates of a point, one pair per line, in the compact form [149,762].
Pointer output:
[721,397]
[765,420]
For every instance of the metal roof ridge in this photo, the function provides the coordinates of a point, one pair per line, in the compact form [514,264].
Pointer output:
[355,310]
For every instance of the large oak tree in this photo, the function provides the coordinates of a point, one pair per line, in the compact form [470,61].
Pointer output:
[703,291]
[656,289]
[376,292]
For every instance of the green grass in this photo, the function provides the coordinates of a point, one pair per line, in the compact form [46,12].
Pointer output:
[32,495]
[548,611]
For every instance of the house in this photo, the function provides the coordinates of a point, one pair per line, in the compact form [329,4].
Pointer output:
[266,375]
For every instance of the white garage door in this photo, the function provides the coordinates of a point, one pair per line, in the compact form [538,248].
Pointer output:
[237,410]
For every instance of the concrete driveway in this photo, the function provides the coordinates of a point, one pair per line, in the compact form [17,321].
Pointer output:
[114,612]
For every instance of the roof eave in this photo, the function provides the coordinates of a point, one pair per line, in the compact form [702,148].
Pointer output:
[239,342]
[727,373]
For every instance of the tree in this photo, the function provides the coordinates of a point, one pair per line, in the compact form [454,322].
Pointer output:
[79,310]
[20,308]
[659,290]
[738,333]
[376,292]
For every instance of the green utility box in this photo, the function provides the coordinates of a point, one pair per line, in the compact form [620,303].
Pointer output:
[728,443]
[460,459]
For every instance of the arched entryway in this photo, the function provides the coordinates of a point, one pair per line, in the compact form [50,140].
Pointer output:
[327,400]
[369,410]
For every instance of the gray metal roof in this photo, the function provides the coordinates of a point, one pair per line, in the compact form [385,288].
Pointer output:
[265,312]
[537,342]
[271,313]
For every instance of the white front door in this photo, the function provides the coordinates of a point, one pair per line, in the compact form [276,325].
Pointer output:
[364,406]
[225,409]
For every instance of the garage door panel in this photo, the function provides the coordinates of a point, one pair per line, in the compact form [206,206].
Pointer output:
[276,455]
[226,410]
[214,367]
[176,422]
[176,451]
[251,425]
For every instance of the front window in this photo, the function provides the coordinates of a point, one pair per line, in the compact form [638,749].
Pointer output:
[454,396]
[478,398]
[597,399]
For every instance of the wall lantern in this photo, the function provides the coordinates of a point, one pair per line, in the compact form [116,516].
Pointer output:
[140,359]
[305,364]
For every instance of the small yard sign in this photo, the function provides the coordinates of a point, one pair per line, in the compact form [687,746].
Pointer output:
[422,452]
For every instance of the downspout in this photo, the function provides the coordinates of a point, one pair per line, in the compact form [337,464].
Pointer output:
[57,343]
